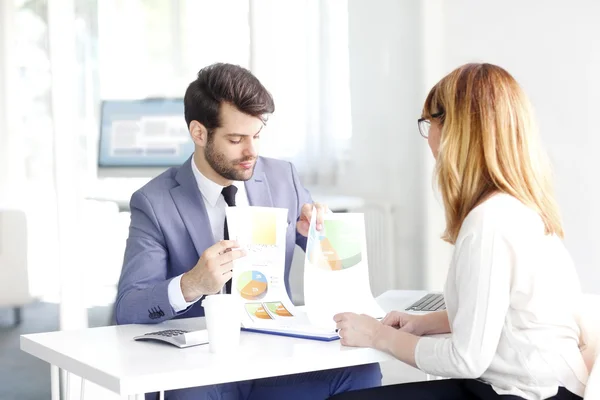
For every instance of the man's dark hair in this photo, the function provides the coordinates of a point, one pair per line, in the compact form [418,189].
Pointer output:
[229,83]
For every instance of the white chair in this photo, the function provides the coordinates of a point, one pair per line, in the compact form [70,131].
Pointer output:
[14,277]
[592,390]
[589,322]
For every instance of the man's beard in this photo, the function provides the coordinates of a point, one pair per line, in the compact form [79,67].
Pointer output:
[223,167]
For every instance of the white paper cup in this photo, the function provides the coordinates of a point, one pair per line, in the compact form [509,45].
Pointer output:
[223,321]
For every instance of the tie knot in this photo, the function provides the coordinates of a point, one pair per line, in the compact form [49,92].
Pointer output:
[229,194]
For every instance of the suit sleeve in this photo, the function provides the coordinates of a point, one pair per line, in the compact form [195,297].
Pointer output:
[143,287]
[304,197]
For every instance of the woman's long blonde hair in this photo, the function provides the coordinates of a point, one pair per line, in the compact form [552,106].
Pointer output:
[488,144]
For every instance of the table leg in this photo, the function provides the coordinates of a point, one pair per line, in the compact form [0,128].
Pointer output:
[68,391]
[55,382]
[18,312]
[82,393]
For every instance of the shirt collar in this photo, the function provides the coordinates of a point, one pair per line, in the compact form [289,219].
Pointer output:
[209,189]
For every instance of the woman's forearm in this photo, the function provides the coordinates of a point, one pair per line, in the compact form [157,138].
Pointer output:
[397,343]
[402,345]
[435,323]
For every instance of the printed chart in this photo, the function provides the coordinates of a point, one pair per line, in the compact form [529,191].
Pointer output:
[264,228]
[277,308]
[337,247]
[256,310]
[252,285]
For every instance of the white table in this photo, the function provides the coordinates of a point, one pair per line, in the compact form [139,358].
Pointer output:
[109,357]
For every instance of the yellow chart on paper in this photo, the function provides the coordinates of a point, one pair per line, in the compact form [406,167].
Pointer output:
[264,228]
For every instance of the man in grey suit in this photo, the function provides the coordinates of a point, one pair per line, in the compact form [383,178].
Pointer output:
[177,250]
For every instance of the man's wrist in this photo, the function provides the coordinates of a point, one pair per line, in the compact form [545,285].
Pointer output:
[188,289]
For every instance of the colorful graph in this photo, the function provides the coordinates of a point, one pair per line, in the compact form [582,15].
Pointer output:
[257,310]
[252,285]
[336,248]
[278,308]
[264,228]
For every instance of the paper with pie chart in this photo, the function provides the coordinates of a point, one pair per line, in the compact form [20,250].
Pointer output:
[268,311]
[336,271]
[252,285]
[338,246]
[258,278]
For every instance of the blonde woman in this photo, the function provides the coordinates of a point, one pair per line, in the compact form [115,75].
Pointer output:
[511,291]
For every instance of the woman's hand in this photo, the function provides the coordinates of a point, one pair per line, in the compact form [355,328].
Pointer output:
[364,331]
[409,323]
[357,330]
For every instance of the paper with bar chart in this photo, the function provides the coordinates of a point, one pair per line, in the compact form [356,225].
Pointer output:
[336,272]
[258,278]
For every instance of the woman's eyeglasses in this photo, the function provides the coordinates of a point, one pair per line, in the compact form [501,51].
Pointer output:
[425,124]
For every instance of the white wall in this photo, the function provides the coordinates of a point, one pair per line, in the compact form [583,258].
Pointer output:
[437,252]
[553,49]
[385,85]
[6,9]
[399,49]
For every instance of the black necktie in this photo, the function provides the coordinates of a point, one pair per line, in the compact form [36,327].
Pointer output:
[228,193]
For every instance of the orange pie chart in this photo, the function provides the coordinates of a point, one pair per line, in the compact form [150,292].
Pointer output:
[252,285]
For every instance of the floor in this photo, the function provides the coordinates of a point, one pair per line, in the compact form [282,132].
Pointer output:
[24,377]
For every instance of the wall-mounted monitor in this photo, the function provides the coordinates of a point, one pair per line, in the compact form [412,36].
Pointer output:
[142,138]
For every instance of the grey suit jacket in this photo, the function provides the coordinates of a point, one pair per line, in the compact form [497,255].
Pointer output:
[170,229]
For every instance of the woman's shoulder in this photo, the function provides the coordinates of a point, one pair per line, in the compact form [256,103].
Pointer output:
[502,213]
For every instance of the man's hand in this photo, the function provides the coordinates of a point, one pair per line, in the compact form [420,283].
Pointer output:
[213,270]
[305,215]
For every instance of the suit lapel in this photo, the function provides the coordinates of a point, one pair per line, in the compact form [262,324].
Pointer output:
[190,205]
[257,188]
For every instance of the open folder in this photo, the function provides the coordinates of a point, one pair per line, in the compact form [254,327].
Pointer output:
[336,273]
[295,326]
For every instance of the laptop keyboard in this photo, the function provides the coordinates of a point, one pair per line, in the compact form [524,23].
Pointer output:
[429,302]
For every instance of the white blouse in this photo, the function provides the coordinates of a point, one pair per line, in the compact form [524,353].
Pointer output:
[512,294]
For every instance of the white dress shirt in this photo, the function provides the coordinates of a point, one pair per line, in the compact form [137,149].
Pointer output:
[512,295]
[215,208]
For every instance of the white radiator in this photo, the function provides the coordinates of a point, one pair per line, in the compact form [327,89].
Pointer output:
[379,225]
